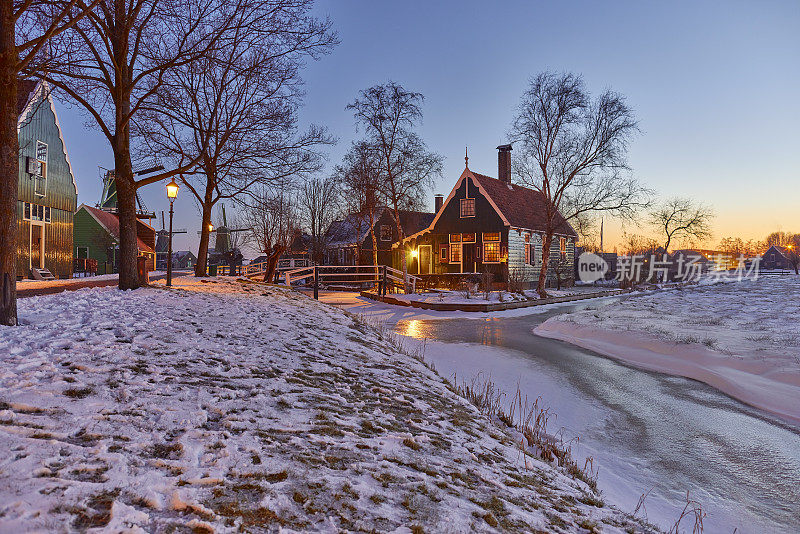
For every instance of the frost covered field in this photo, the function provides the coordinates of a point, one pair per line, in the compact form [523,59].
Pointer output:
[740,337]
[225,406]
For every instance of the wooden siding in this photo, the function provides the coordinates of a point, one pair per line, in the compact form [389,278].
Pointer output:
[60,193]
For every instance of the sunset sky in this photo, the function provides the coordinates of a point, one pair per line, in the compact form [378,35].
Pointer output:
[715,87]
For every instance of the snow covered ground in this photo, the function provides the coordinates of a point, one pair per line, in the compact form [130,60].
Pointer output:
[740,337]
[228,406]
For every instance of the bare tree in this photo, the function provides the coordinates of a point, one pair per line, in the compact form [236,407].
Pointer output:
[235,109]
[573,151]
[682,218]
[271,217]
[114,61]
[358,177]
[779,238]
[388,113]
[26,29]
[317,201]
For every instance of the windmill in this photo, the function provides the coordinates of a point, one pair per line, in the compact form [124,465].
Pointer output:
[222,235]
[162,244]
[108,200]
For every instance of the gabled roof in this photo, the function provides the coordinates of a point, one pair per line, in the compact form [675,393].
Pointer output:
[783,251]
[110,222]
[355,227]
[24,95]
[519,206]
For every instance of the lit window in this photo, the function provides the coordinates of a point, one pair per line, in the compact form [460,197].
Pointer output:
[386,232]
[532,254]
[455,252]
[467,238]
[491,236]
[467,207]
[562,245]
[491,252]
[527,248]
[455,238]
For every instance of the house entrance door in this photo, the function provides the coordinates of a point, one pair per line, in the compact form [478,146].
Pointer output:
[37,245]
[468,258]
[425,257]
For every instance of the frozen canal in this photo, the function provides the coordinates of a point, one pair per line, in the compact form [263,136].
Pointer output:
[646,431]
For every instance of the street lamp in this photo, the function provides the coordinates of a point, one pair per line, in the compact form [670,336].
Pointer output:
[172,194]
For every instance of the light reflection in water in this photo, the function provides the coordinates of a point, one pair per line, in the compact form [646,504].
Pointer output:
[489,330]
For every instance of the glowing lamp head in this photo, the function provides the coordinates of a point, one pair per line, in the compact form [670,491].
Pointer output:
[414,253]
[210,227]
[172,190]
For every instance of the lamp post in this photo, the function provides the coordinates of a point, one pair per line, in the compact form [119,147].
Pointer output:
[172,194]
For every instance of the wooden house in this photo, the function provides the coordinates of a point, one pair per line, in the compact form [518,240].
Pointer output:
[48,193]
[97,237]
[776,257]
[490,224]
[349,241]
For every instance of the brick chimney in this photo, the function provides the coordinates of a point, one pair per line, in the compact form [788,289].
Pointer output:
[504,163]
[438,200]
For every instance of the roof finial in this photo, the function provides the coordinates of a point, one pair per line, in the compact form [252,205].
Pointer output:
[466,158]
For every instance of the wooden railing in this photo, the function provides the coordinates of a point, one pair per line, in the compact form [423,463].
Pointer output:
[253,269]
[383,275]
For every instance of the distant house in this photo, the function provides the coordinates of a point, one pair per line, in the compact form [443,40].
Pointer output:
[776,257]
[47,191]
[96,236]
[349,241]
[183,259]
[490,224]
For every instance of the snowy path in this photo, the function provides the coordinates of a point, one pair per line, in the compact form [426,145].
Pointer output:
[240,406]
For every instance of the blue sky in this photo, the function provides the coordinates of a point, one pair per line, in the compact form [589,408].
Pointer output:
[715,86]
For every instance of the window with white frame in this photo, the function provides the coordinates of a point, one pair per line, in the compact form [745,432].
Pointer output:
[528,248]
[467,207]
[455,252]
[40,175]
[562,246]
[35,212]
[491,252]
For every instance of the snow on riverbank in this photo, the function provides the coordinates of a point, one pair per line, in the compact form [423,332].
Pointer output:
[238,406]
[494,297]
[742,338]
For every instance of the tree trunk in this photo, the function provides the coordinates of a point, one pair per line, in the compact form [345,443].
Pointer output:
[201,267]
[126,206]
[9,167]
[402,248]
[272,262]
[547,241]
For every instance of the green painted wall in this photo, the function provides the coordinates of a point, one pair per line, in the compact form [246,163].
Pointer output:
[60,194]
[90,234]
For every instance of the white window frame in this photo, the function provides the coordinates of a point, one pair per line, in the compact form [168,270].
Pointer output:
[497,244]
[386,226]
[41,170]
[461,208]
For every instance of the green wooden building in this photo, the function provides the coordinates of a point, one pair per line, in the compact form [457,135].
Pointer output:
[97,237]
[48,194]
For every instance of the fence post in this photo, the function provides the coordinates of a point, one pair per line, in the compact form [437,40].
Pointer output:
[316,283]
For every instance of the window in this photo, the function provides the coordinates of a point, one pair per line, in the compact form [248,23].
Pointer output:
[26,211]
[41,169]
[491,252]
[491,236]
[455,252]
[527,248]
[444,253]
[467,238]
[386,232]
[83,252]
[532,254]
[47,214]
[467,207]
[455,238]
[35,212]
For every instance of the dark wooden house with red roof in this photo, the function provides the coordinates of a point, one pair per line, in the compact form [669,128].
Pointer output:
[489,224]
[47,194]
